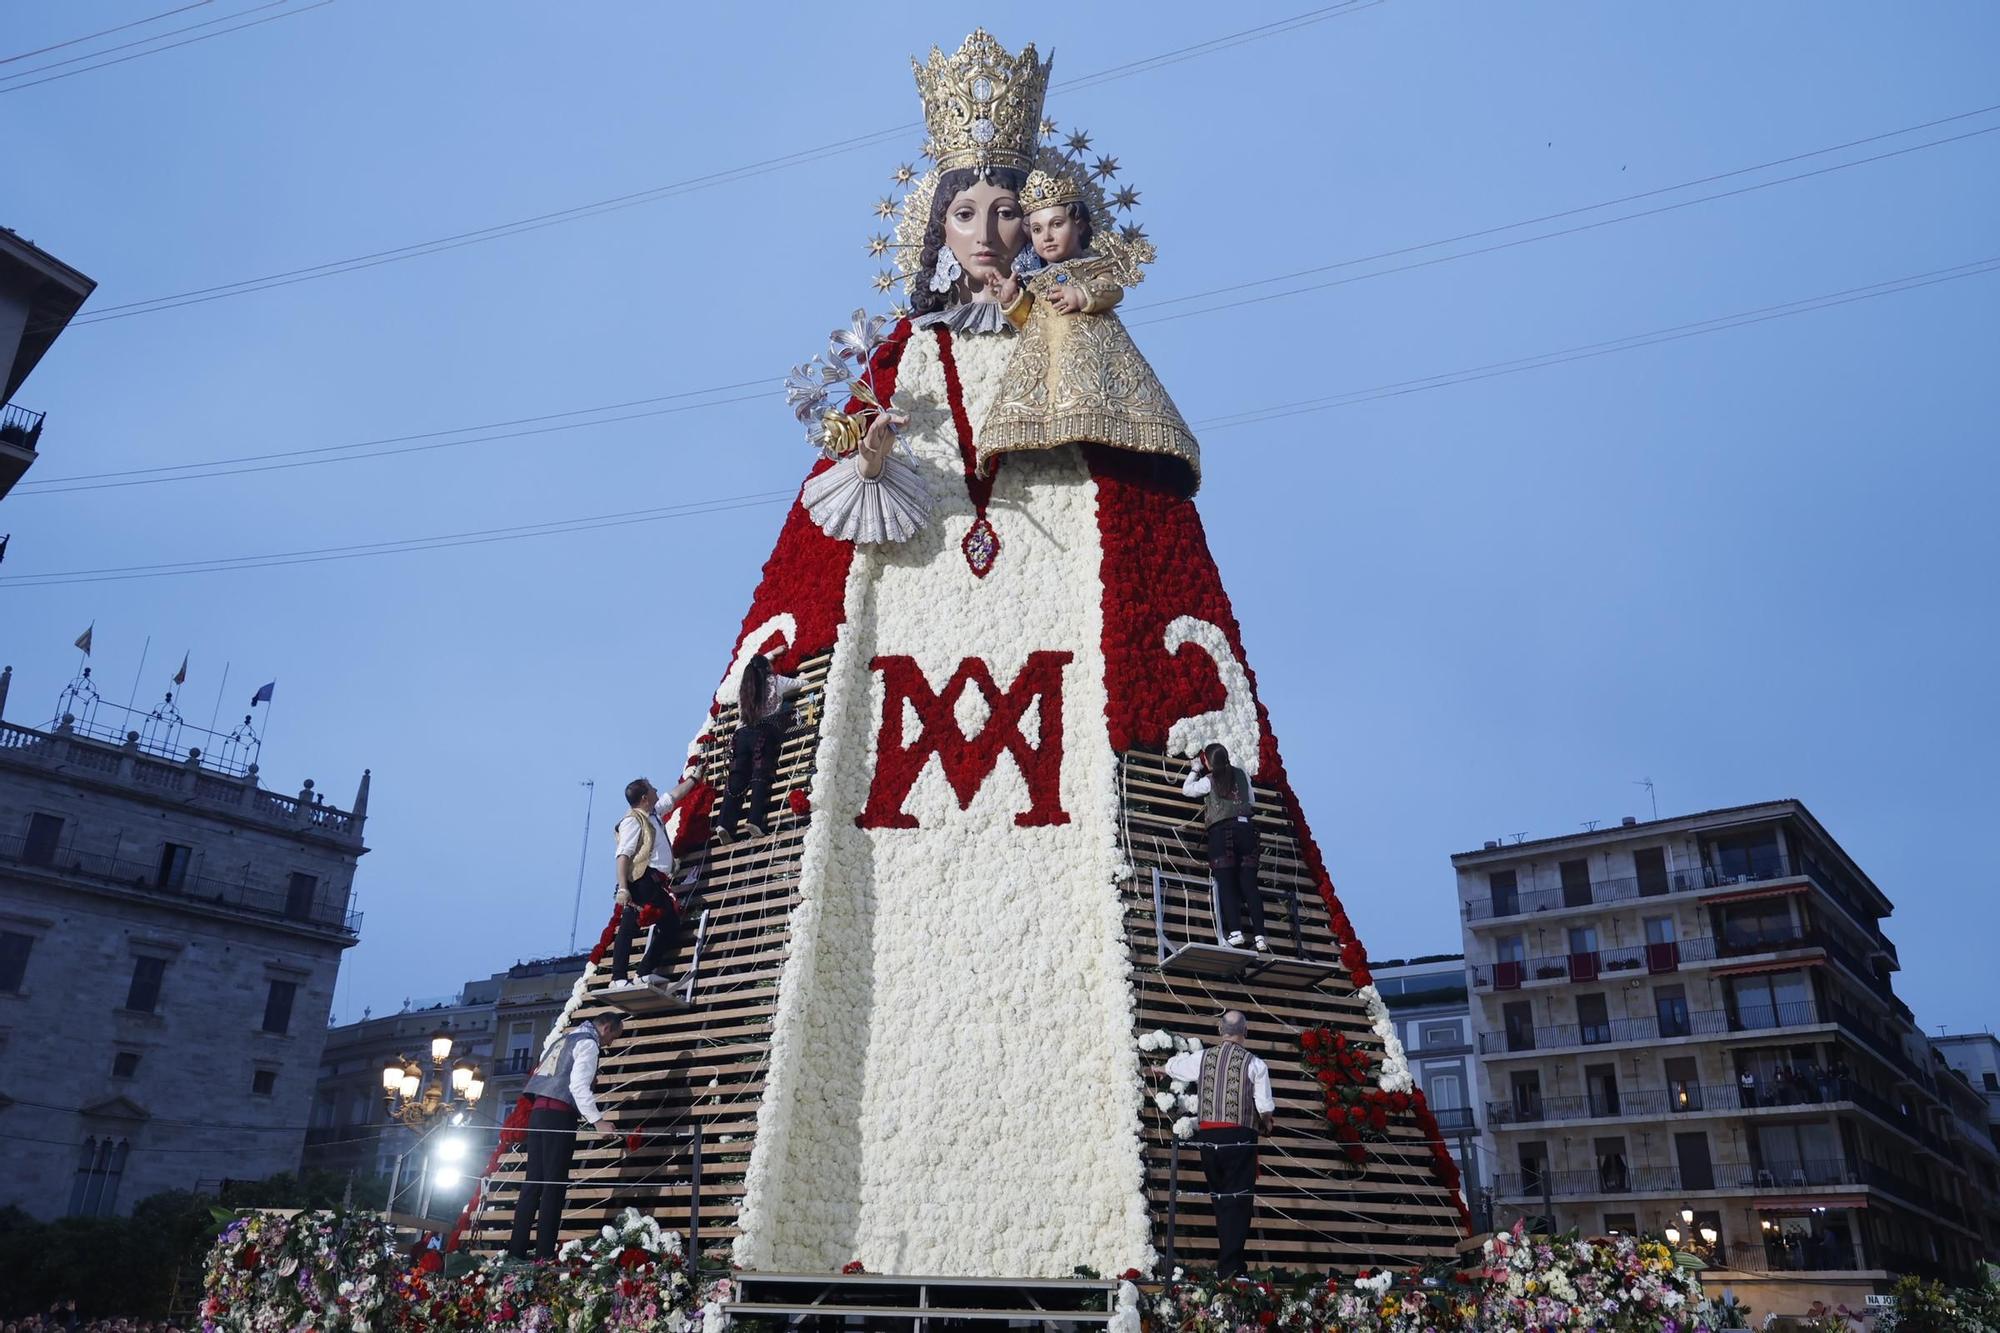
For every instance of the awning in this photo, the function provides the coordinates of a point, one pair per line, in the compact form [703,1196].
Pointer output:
[1773,965]
[1743,895]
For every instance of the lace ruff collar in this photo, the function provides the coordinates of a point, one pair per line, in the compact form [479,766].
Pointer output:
[971,317]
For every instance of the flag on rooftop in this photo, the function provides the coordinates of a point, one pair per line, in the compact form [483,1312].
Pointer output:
[263,694]
[181,676]
[83,639]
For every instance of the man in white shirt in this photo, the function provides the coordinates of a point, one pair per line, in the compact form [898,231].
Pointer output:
[1233,1088]
[646,878]
[559,1097]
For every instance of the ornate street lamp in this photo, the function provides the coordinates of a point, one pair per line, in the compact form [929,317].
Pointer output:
[417,1101]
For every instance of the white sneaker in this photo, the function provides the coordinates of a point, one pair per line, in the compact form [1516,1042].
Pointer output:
[1235,940]
[652,979]
[1261,944]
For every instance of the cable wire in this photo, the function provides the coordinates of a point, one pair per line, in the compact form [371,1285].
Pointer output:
[417,249]
[1251,416]
[140,55]
[327,453]
[106,32]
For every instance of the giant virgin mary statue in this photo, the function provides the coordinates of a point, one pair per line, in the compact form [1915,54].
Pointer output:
[998,589]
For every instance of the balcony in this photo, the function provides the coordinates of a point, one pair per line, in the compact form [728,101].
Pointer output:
[1531,901]
[1637,1104]
[1701,1023]
[1615,1176]
[1454,1119]
[321,909]
[20,429]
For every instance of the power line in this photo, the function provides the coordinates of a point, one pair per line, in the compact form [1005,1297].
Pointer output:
[440,541]
[140,55]
[417,249]
[1251,416]
[105,32]
[336,453]
[1540,236]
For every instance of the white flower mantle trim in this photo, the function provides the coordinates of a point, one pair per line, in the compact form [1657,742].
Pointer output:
[1235,723]
[1395,1071]
[1179,1097]
[920,971]
[783,626]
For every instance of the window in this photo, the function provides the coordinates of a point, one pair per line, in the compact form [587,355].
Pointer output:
[1649,864]
[1660,930]
[125,1064]
[174,860]
[14,960]
[1612,1176]
[278,1006]
[299,891]
[1520,1024]
[1575,883]
[44,831]
[143,996]
[1504,891]
[1691,1155]
[1440,1034]
[1670,1007]
[100,1164]
[1593,1019]
[1621,1224]
[1510,949]
[1445,1092]
[1989,1078]
[1525,1085]
[1583,939]
[1748,856]
[1683,1084]
[264,1082]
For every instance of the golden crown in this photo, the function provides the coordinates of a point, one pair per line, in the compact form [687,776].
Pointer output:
[1049,190]
[983,107]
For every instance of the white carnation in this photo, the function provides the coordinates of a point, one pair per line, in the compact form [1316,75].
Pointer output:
[1165,1101]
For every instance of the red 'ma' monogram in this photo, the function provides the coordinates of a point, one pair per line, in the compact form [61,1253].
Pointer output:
[967,761]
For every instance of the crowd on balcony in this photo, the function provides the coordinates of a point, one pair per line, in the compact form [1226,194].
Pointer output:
[1793,1083]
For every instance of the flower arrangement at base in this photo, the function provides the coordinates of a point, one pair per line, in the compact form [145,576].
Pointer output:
[1612,1285]
[1357,1107]
[341,1273]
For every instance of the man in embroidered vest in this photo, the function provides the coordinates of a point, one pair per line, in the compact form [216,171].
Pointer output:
[646,879]
[559,1097]
[1234,1088]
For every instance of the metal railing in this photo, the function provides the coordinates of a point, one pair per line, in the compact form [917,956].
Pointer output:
[20,427]
[1521,902]
[1615,1176]
[1651,1027]
[320,908]
[1637,1103]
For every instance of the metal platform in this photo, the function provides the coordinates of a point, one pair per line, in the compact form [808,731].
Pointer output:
[636,997]
[1204,958]
[878,1302]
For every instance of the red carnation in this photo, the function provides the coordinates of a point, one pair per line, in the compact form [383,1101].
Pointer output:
[798,802]
[1132,1275]
[1267,1318]
[851,1267]
[431,1262]
[1310,1039]
[1357,1114]
[247,1259]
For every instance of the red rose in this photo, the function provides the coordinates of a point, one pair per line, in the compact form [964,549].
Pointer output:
[798,802]
[1310,1039]
[852,1266]
[247,1259]
[1132,1275]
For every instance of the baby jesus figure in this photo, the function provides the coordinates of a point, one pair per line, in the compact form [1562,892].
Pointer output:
[1076,377]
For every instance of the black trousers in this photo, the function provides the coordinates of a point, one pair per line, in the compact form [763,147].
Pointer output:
[551,1144]
[1233,851]
[1229,1160]
[753,767]
[649,890]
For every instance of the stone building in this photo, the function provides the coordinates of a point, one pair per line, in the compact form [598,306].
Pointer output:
[38,295]
[1974,1090]
[1690,1023]
[170,932]
[499,1022]
[1429,1002]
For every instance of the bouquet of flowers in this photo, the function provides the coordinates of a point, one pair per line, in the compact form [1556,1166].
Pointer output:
[830,394]
[335,1272]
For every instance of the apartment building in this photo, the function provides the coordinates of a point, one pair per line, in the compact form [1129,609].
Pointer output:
[1429,1003]
[1689,1023]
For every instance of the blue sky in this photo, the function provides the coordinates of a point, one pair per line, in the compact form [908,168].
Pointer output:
[1744,564]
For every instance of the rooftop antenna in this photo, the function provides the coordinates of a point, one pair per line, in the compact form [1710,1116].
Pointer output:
[1520,838]
[1647,783]
[583,857]
[1590,825]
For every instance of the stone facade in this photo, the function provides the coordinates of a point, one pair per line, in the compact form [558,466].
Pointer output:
[170,933]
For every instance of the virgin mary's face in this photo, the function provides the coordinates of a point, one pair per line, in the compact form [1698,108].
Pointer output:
[983,227]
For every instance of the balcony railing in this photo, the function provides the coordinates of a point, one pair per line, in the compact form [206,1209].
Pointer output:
[20,427]
[319,908]
[1454,1119]
[1701,1023]
[1502,903]
[1637,1103]
[1615,1176]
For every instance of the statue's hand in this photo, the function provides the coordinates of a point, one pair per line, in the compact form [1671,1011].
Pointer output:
[1069,298]
[876,444]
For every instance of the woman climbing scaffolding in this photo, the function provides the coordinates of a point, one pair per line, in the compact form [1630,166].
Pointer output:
[1229,808]
[763,714]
